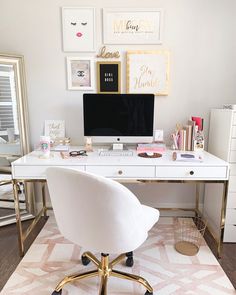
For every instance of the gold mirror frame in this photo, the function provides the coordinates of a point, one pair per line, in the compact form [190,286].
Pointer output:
[17,62]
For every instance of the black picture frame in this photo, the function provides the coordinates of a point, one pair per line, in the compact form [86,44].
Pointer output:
[109,78]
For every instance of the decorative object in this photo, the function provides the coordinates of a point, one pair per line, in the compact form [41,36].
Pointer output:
[80,73]
[148,72]
[104,54]
[54,129]
[45,146]
[132,25]
[109,77]
[88,144]
[78,25]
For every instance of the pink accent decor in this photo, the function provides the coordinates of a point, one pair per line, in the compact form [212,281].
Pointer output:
[79,34]
[51,257]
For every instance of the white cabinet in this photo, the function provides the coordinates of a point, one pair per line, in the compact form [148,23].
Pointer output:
[222,143]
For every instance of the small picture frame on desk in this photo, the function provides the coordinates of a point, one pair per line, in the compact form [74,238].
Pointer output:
[108,77]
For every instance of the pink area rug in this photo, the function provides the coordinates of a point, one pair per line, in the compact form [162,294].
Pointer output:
[51,257]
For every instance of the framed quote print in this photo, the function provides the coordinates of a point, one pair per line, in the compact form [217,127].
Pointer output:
[80,73]
[132,25]
[109,77]
[148,72]
[78,24]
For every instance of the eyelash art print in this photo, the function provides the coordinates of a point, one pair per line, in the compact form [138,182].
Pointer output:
[73,24]
[83,24]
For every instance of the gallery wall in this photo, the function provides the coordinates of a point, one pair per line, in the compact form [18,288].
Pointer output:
[201,38]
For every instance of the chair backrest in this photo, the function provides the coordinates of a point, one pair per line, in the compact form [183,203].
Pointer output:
[95,212]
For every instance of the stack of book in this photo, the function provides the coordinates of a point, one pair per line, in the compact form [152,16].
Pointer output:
[151,147]
[184,138]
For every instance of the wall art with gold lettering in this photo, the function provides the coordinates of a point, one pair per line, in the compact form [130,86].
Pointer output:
[132,25]
[148,72]
[109,77]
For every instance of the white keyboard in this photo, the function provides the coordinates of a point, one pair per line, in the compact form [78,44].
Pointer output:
[116,153]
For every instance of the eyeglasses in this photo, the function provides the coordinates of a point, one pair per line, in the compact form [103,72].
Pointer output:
[78,153]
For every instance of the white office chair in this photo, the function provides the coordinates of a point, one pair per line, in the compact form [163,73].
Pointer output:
[100,215]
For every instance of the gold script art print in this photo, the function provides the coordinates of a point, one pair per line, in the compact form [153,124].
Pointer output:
[148,72]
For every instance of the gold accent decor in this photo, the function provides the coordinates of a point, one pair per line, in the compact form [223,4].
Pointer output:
[146,77]
[104,54]
[104,271]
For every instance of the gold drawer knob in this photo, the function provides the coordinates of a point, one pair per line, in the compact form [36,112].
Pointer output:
[120,172]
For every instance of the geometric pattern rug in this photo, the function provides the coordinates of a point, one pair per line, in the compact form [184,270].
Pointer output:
[51,257]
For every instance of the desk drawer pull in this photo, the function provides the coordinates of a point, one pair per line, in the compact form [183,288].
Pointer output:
[120,172]
[191,172]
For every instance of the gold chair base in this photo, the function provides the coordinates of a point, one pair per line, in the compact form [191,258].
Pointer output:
[104,271]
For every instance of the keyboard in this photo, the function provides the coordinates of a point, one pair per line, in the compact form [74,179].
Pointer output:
[116,153]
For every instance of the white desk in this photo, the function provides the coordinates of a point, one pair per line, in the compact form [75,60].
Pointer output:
[212,170]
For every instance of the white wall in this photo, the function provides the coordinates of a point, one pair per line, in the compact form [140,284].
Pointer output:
[201,37]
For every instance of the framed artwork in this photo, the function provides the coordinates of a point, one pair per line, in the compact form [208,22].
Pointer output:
[54,128]
[80,73]
[78,24]
[148,72]
[109,77]
[132,25]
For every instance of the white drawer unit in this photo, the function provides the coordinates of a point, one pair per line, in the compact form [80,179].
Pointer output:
[222,143]
[123,171]
[231,200]
[191,172]
[230,233]
[26,172]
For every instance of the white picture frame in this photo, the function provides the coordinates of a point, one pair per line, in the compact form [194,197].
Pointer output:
[132,25]
[148,72]
[78,26]
[80,73]
[54,128]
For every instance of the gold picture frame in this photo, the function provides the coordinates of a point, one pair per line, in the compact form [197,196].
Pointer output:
[109,77]
[148,71]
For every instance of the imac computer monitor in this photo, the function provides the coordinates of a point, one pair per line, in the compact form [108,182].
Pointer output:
[114,118]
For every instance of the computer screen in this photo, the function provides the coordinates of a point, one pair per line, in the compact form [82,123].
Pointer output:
[124,118]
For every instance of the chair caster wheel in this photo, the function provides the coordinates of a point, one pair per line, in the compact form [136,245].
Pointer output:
[85,260]
[57,293]
[148,293]
[129,262]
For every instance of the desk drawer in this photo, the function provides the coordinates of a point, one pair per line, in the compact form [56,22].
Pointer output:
[230,233]
[230,217]
[233,132]
[231,200]
[232,157]
[191,172]
[234,118]
[34,172]
[232,169]
[233,144]
[123,171]
[232,183]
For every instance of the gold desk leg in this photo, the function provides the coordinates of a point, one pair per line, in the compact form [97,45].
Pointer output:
[44,199]
[222,218]
[18,218]
[197,200]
